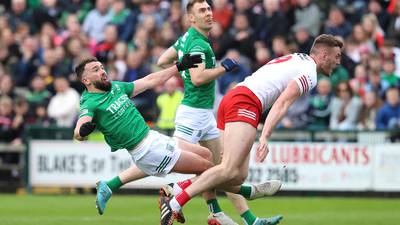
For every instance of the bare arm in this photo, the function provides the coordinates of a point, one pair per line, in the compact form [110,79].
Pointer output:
[168,58]
[277,112]
[78,125]
[280,108]
[201,75]
[153,80]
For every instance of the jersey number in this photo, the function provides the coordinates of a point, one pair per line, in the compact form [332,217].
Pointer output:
[280,59]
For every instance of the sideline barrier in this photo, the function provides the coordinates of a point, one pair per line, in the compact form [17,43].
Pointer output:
[322,166]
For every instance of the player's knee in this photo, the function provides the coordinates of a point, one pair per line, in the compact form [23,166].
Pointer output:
[207,154]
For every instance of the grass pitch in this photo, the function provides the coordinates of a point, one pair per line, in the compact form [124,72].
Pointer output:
[134,209]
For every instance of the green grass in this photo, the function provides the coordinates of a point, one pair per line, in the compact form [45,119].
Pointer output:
[133,209]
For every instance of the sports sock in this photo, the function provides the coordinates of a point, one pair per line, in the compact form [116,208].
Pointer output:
[245,191]
[213,206]
[114,184]
[248,217]
[182,198]
[184,184]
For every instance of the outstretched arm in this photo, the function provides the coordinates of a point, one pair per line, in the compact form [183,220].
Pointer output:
[154,79]
[277,112]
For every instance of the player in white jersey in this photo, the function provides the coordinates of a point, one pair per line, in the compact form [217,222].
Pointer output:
[278,84]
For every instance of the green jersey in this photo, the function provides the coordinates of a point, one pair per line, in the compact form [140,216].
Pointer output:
[115,115]
[194,42]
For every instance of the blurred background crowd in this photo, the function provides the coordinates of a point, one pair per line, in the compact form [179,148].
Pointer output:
[42,40]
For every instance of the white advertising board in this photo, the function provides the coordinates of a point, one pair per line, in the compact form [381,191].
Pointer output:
[70,164]
[387,167]
[301,166]
[315,166]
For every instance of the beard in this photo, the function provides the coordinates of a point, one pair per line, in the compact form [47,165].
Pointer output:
[103,85]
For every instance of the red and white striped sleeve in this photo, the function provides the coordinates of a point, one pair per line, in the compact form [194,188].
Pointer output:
[306,82]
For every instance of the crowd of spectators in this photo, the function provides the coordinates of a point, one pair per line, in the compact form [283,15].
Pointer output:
[42,40]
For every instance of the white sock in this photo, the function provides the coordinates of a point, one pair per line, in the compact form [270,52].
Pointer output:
[175,205]
[177,190]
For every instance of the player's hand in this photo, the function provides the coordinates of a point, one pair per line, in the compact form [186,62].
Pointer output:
[262,150]
[229,64]
[86,129]
[188,61]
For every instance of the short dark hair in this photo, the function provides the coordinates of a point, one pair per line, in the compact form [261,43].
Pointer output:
[325,40]
[81,66]
[190,4]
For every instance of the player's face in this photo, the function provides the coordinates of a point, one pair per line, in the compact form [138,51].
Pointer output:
[331,60]
[201,16]
[96,75]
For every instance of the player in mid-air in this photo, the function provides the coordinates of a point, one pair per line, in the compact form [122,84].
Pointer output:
[278,84]
[195,121]
[106,105]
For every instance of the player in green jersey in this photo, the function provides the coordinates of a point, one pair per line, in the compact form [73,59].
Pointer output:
[195,121]
[106,105]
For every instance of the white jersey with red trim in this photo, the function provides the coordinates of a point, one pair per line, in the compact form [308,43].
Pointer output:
[268,82]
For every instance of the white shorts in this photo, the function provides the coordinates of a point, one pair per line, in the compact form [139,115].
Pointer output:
[194,125]
[157,154]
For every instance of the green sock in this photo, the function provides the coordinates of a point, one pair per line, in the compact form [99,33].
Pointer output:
[248,217]
[114,184]
[213,206]
[245,191]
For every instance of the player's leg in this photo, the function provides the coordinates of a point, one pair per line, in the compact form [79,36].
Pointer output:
[217,216]
[238,138]
[106,188]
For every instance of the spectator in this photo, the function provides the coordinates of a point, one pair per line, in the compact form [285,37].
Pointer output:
[359,81]
[373,30]
[246,7]
[167,104]
[63,106]
[24,70]
[393,30]
[38,93]
[271,23]
[319,111]
[104,47]
[222,13]
[230,79]
[45,73]
[41,117]
[336,24]
[303,39]
[280,47]
[345,108]
[240,37]
[19,14]
[370,106]
[9,130]
[120,52]
[137,68]
[96,20]
[307,15]
[388,78]
[375,7]
[7,86]
[47,12]
[263,56]
[388,116]
[296,117]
